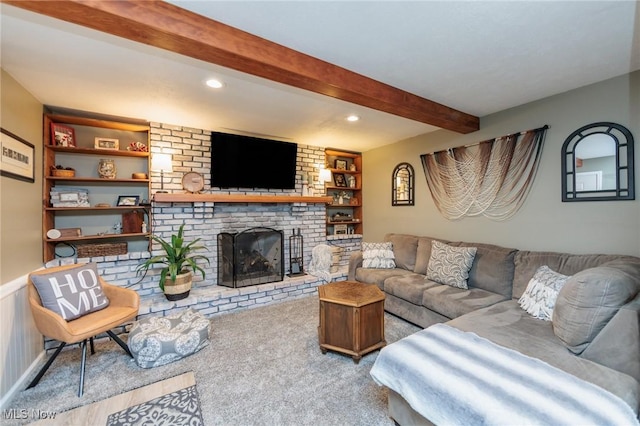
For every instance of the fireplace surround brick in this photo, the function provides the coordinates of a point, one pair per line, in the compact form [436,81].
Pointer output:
[190,150]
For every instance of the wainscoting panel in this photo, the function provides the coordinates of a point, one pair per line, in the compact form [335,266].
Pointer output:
[22,344]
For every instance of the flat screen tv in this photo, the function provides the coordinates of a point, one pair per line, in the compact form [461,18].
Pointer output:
[239,161]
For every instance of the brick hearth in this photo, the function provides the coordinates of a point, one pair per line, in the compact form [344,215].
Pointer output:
[215,300]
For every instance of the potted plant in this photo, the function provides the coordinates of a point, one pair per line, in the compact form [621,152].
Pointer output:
[179,263]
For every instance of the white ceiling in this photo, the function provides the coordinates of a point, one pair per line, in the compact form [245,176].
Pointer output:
[479,57]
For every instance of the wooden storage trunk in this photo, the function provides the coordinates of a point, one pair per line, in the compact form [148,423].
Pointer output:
[102,249]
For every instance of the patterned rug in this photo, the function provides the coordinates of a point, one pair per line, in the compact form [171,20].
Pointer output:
[169,402]
[176,408]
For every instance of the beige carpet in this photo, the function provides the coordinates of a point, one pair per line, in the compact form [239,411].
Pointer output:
[262,367]
[171,401]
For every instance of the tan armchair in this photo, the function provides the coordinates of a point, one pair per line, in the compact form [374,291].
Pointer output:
[123,307]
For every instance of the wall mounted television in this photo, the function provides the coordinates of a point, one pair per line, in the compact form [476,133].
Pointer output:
[239,161]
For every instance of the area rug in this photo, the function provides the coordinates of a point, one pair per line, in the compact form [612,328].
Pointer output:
[263,366]
[169,402]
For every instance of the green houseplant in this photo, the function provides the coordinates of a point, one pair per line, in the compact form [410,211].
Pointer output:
[179,263]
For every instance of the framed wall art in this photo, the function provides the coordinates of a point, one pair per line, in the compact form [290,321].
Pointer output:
[17,157]
[62,135]
[106,143]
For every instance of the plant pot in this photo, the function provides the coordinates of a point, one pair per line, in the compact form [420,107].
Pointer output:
[178,289]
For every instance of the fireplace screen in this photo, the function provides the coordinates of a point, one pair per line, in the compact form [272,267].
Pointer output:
[251,257]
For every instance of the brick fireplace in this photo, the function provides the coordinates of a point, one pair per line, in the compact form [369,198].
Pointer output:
[190,150]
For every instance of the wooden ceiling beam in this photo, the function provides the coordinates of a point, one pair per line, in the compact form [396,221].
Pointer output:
[166,26]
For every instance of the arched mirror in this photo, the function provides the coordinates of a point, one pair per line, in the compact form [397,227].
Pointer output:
[402,185]
[597,164]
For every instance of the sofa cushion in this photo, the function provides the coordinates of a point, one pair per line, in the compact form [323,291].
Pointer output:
[404,249]
[423,254]
[378,255]
[492,268]
[540,296]
[71,293]
[450,265]
[377,276]
[528,262]
[588,301]
[453,302]
[507,325]
[409,287]
[606,349]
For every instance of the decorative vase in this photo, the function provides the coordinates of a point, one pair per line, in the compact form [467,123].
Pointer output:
[107,169]
[180,288]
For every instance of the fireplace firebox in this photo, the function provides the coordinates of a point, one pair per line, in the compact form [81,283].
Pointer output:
[251,257]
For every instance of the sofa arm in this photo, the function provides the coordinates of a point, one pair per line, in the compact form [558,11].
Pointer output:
[355,261]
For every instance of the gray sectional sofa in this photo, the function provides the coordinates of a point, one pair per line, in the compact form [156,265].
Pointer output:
[607,285]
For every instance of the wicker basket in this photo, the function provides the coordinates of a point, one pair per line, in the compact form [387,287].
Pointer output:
[103,249]
[63,173]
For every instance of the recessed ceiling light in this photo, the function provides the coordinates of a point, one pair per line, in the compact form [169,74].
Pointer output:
[216,84]
[353,118]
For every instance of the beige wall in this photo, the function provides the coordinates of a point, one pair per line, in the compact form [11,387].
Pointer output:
[21,206]
[544,222]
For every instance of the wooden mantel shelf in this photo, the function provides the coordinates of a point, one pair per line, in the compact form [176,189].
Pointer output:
[236,198]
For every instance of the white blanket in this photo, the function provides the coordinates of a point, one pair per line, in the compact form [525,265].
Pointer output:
[320,264]
[453,377]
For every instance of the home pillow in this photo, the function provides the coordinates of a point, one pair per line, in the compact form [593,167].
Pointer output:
[378,255]
[586,303]
[542,291]
[71,293]
[450,265]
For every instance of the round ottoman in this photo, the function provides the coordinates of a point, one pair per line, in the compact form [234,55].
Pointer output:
[158,341]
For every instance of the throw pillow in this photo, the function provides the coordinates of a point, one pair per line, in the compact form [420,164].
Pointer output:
[71,293]
[450,265]
[587,302]
[542,291]
[378,255]
[404,250]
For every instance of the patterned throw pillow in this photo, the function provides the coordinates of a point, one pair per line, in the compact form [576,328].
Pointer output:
[378,255]
[542,291]
[450,265]
[71,293]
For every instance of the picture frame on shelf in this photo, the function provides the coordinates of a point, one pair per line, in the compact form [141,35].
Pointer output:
[128,200]
[18,157]
[339,180]
[340,164]
[340,229]
[62,135]
[106,143]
